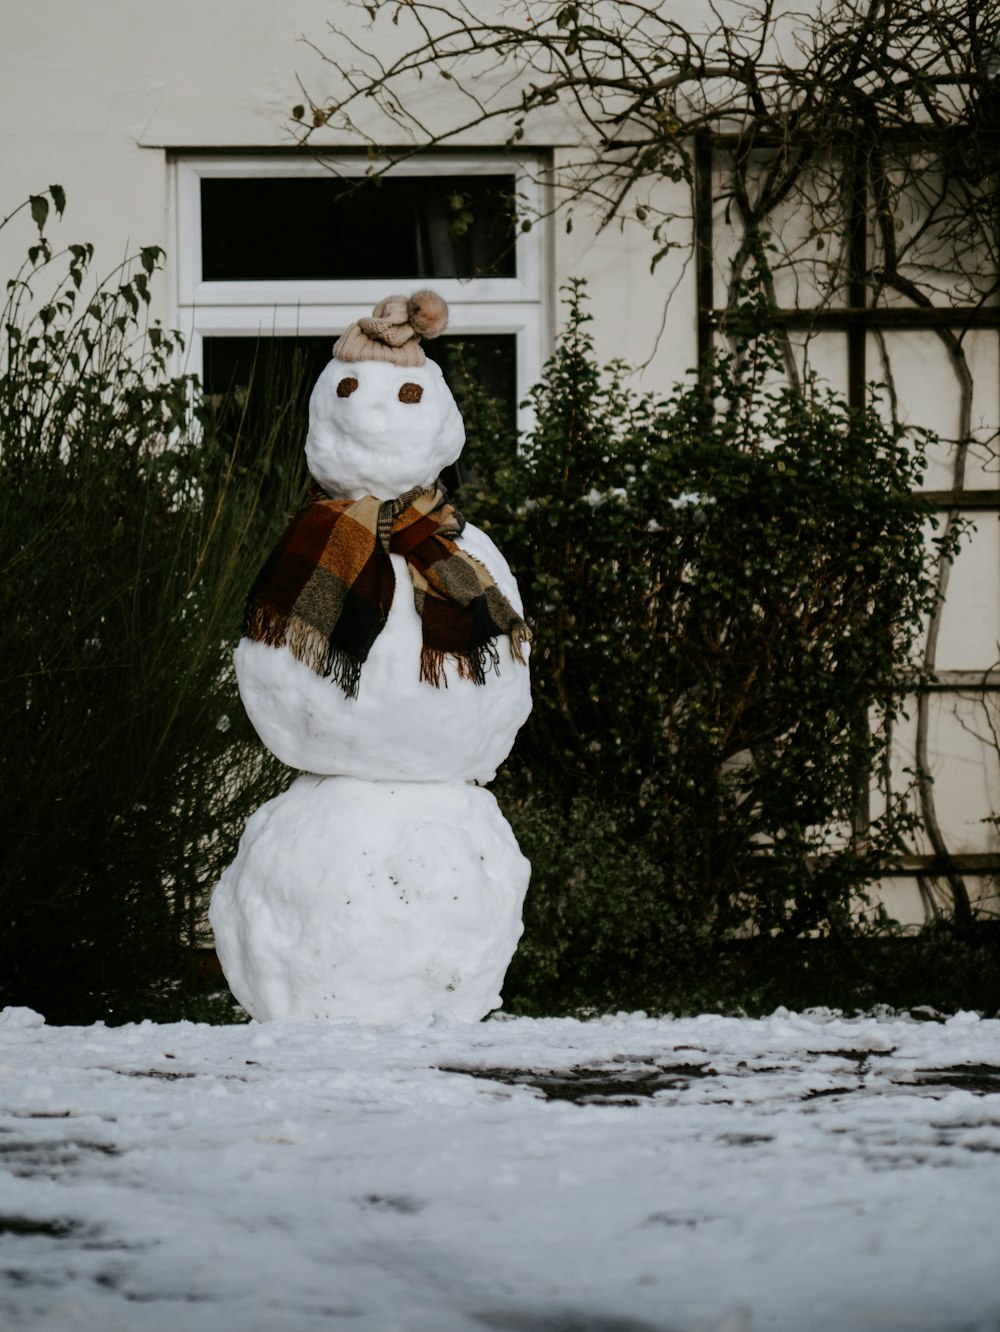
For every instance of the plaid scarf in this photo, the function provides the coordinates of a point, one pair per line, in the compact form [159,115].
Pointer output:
[325,591]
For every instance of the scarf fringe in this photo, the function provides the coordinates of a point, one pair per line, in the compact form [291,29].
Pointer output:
[473,666]
[329,619]
[520,636]
[306,643]
[344,671]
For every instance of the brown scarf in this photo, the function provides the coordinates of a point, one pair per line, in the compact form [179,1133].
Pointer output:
[325,590]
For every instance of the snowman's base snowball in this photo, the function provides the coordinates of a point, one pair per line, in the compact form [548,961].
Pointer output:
[379,901]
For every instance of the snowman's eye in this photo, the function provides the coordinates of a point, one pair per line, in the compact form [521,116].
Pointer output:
[411,393]
[346,387]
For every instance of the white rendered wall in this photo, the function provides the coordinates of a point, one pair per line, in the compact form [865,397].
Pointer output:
[92,95]
[96,97]
[99,97]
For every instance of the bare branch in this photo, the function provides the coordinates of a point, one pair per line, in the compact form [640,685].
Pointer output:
[791,87]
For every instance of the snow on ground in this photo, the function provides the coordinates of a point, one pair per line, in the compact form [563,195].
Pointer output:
[801,1173]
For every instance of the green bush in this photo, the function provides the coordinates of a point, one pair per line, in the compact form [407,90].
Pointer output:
[724,602]
[131,521]
[726,588]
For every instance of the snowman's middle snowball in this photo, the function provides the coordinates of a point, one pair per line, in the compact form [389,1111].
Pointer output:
[326,589]
[398,726]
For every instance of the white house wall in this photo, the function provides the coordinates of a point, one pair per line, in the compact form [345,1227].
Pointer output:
[98,98]
[102,97]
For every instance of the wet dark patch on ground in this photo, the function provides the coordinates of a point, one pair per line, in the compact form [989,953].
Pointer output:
[821,1092]
[393,1203]
[627,1081]
[568,1320]
[584,1085]
[24,1225]
[167,1074]
[981,1078]
[50,1156]
[176,1074]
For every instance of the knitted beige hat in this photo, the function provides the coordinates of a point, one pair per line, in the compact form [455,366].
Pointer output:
[394,330]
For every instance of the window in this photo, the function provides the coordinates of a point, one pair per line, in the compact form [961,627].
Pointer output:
[286,248]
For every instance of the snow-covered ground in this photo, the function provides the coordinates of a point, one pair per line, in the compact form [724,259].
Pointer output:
[805,1173]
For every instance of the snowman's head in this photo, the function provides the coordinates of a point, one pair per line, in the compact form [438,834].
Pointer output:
[381,417]
[376,428]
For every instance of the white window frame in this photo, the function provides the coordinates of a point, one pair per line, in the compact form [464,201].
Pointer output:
[312,308]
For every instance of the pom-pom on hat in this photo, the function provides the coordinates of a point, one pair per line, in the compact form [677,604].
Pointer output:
[394,329]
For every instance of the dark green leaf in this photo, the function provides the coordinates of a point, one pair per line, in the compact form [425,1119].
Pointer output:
[39,210]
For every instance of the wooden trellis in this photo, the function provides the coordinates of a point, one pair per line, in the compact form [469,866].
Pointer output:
[858,315]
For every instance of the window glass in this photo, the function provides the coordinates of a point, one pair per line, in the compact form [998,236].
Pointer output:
[323,227]
[285,369]
[280,250]
[228,362]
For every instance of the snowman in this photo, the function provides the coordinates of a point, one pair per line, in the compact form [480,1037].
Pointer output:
[385,656]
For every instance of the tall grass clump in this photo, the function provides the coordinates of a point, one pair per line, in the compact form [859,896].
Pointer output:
[132,516]
[726,585]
